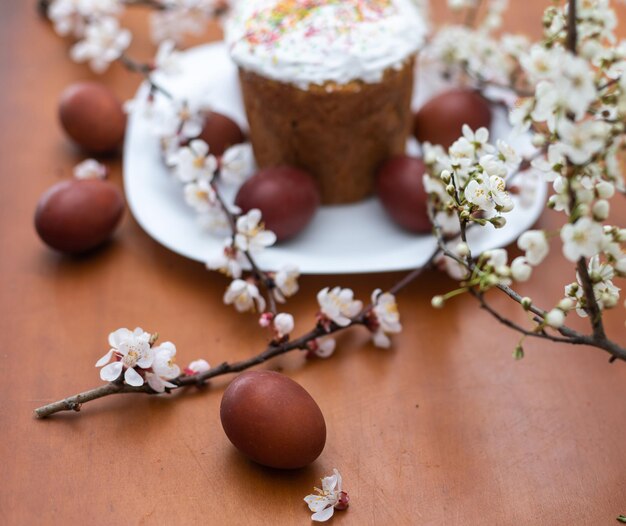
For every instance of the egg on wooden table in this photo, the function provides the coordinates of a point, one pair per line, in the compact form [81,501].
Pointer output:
[273,420]
[220,133]
[76,216]
[400,187]
[440,121]
[92,116]
[287,198]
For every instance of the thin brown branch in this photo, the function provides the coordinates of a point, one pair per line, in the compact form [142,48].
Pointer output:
[144,70]
[73,403]
[414,274]
[153,4]
[512,325]
[591,303]
[599,341]
[572,27]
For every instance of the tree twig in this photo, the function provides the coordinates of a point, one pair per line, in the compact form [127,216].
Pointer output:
[74,403]
[569,335]
[572,27]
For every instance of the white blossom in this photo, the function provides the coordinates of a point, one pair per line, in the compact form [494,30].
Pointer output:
[179,120]
[553,164]
[477,193]
[496,258]
[167,59]
[520,116]
[237,164]
[492,166]
[90,169]
[163,367]
[176,22]
[286,281]
[245,296]
[200,195]
[229,261]
[555,318]
[283,324]
[324,501]
[197,367]
[582,140]
[321,348]
[338,305]
[535,244]
[605,292]
[508,155]
[520,269]
[387,317]
[215,221]
[601,209]
[251,234]
[130,349]
[194,162]
[71,16]
[104,42]
[581,239]
[479,140]
[499,194]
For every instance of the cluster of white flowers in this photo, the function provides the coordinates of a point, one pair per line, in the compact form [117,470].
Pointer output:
[71,17]
[104,41]
[575,104]
[461,49]
[183,17]
[469,182]
[139,360]
[101,40]
[338,306]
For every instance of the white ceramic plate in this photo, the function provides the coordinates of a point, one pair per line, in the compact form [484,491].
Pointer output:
[341,239]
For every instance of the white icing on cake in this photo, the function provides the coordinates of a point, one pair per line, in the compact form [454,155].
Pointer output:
[305,42]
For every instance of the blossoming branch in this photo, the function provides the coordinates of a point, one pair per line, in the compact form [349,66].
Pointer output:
[573,100]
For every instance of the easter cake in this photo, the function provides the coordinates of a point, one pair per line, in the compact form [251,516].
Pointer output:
[327,85]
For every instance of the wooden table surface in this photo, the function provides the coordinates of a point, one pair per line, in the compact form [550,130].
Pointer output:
[445,428]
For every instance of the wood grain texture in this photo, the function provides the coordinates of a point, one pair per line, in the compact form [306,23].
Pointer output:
[446,428]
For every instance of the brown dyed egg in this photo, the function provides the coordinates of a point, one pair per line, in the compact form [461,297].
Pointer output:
[272,420]
[400,187]
[92,116]
[220,133]
[287,197]
[441,120]
[76,216]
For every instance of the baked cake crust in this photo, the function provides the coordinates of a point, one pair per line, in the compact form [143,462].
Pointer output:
[340,133]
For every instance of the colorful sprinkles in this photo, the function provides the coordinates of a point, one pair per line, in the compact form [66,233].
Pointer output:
[266,26]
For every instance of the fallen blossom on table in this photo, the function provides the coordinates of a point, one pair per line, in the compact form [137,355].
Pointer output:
[324,501]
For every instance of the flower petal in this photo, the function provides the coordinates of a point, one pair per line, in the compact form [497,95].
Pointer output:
[324,515]
[111,372]
[117,337]
[132,377]
[105,359]
[156,383]
[317,502]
